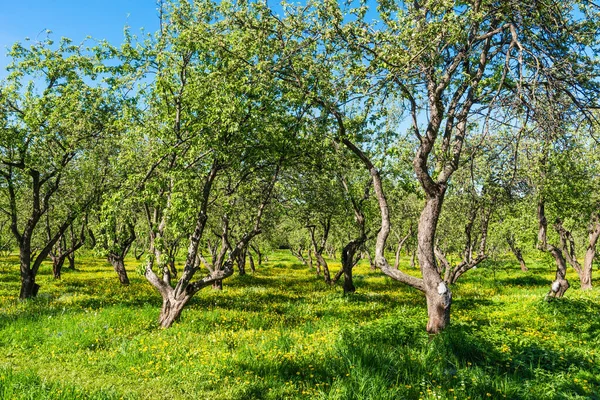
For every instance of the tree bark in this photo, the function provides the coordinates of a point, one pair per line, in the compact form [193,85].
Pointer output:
[586,273]
[29,288]
[171,310]
[401,242]
[241,262]
[258,254]
[560,283]
[251,260]
[321,262]
[57,264]
[319,248]
[348,262]
[71,258]
[118,264]
[516,251]
[437,293]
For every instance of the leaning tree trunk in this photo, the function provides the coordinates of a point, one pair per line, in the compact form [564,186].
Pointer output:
[437,293]
[118,264]
[321,262]
[517,252]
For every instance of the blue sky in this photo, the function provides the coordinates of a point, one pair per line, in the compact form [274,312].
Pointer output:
[75,19]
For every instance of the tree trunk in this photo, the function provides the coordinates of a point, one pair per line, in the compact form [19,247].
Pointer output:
[560,283]
[516,251]
[439,297]
[241,262]
[29,288]
[252,267]
[586,273]
[258,254]
[119,265]
[71,258]
[217,285]
[57,264]
[172,268]
[321,261]
[171,310]
[348,255]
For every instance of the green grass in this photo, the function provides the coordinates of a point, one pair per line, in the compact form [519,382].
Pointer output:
[282,334]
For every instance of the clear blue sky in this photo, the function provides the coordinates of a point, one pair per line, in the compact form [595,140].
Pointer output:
[75,19]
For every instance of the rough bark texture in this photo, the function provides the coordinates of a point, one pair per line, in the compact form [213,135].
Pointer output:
[71,259]
[586,273]
[516,251]
[171,310]
[29,288]
[348,261]
[560,284]
[118,263]
[57,264]
[437,293]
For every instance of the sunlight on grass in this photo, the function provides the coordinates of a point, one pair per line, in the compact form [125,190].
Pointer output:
[282,334]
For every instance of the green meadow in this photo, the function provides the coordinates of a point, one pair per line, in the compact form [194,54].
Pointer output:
[281,333]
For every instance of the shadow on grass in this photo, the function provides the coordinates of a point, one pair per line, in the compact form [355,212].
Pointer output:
[527,280]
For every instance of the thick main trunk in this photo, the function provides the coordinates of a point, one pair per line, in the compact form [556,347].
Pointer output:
[586,274]
[241,262]
[29,288]
[348,253]
[171,310]
[119,265]
[439,297]
[560,283]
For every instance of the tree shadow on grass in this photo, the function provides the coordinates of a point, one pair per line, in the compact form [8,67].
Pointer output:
[527,281]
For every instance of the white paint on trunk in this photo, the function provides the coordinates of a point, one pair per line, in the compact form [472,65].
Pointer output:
[442,288]
[555,286]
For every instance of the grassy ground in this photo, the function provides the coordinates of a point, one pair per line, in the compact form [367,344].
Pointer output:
[282,334]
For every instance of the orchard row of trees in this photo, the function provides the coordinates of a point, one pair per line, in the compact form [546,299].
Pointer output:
[449,130]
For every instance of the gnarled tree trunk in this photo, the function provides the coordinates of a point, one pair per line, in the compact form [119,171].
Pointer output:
[586,274]
[437,293]
[118,263]
[516,251]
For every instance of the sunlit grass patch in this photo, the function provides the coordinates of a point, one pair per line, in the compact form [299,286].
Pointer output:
[283,334]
